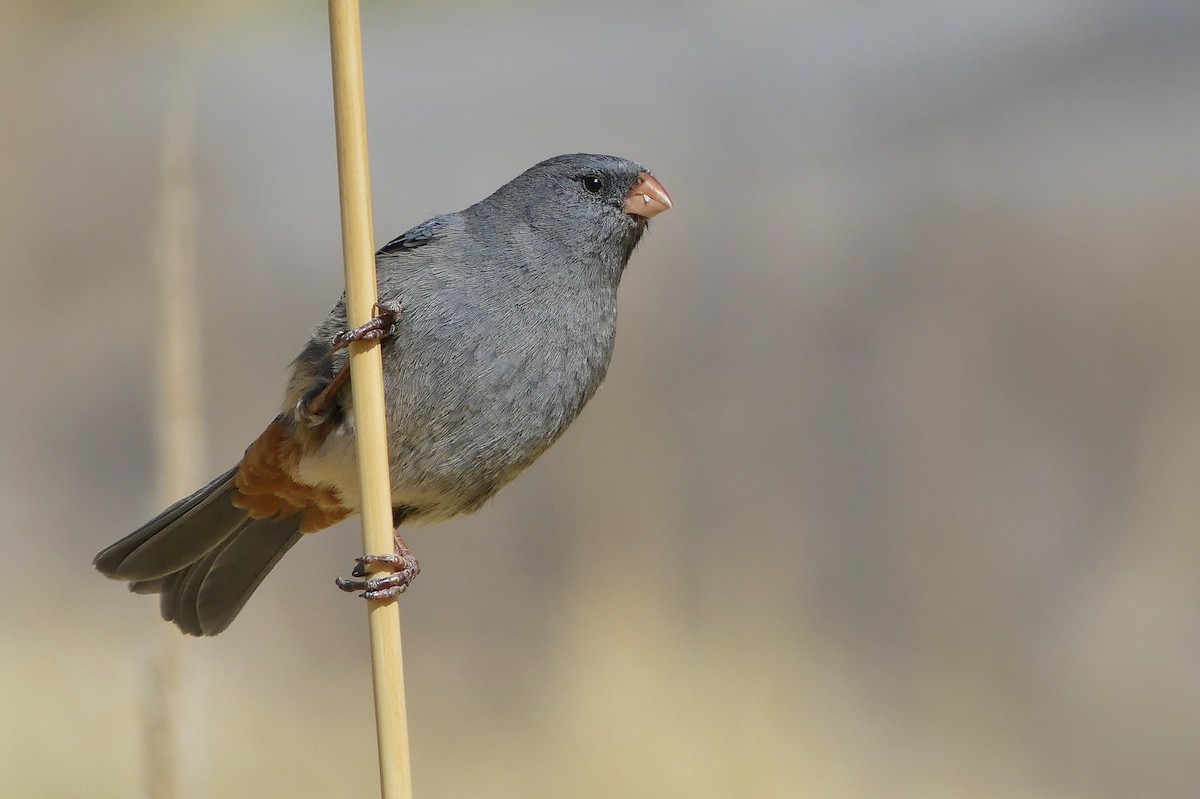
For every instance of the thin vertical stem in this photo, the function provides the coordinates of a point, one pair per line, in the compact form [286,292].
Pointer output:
[179,425]
[366,380]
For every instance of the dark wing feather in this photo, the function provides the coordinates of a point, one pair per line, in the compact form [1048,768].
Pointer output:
[420,235]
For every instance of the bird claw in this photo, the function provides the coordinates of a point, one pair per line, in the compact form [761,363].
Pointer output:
[381,586]
[379,327]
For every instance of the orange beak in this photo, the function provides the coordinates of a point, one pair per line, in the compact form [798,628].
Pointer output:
[647,198]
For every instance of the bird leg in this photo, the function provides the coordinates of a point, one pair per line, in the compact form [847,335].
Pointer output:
[314,407]
[387,585]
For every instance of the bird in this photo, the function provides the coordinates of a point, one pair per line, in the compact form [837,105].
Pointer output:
[496,326]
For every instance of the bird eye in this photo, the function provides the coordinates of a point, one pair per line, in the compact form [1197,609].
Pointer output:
[593,184]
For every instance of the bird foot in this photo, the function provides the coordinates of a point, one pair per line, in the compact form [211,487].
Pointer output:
[380,327]
[382,586]
[314,408]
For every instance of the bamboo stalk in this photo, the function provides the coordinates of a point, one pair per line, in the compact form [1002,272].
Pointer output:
[366,380]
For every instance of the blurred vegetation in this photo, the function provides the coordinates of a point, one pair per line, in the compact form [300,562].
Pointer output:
[888,493]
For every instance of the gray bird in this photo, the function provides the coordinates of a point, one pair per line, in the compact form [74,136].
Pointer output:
[497,325]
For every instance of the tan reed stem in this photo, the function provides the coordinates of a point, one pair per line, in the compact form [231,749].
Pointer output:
[366,380]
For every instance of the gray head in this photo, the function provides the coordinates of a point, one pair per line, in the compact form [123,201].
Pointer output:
[588,205]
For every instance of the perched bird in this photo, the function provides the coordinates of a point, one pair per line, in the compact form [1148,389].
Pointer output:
[497,325]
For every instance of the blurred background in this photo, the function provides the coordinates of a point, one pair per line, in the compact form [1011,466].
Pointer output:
[890,491]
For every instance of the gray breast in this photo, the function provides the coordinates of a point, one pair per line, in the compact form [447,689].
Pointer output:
[484,374]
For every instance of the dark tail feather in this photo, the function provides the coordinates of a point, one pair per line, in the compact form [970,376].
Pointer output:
[205,597]
[177,537]
[204,555]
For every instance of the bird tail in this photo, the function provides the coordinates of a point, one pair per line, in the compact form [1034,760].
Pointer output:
[204,555]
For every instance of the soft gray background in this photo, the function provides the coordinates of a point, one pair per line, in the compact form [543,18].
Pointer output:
[891,491]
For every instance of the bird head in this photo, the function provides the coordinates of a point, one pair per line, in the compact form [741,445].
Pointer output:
[591,204]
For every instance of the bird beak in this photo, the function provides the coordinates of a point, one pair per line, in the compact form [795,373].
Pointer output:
[647,198]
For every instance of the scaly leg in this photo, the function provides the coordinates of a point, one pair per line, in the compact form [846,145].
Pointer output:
[314,408]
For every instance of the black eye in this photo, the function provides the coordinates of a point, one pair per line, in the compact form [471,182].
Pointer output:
[593,184]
